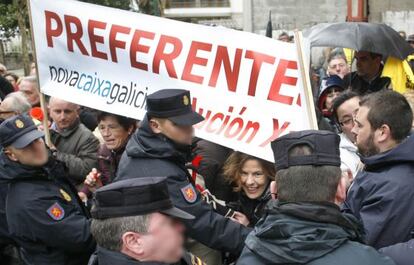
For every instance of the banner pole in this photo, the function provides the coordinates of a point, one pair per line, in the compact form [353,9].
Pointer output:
[304,71]
[43,106]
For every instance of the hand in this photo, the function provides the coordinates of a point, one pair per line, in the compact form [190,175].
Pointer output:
[40,127]
[347,174]
[52,147]
[93,180]
[83,196]
[240,218]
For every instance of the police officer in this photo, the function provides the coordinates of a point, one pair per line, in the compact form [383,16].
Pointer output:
[305,225]
[135,222]
[44,214]
[161,147]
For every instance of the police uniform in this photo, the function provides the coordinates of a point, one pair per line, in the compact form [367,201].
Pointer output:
[134,197]
[44,214]
[148,154]
[307,232]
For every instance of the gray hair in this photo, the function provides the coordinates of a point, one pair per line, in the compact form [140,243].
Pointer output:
[32,79]
[18,102]
[108,232]
[336,55]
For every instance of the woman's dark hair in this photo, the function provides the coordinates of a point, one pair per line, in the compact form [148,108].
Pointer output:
[125,122]
[339,100]
[15,77]
[5,87]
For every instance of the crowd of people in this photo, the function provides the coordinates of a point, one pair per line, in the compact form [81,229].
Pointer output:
[109,189]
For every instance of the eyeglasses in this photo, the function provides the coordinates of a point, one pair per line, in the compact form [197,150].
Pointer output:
[346,122]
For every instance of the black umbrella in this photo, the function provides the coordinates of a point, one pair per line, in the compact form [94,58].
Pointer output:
[359,36]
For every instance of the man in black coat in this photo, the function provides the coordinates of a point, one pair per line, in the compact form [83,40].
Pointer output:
[381,195]
[161,147]
[305,225]
[8,253]
[367,78]
[44,214]
[213,157]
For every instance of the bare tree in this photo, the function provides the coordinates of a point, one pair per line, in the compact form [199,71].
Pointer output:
[23,24]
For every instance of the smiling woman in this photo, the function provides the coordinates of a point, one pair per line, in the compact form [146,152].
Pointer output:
[251,177]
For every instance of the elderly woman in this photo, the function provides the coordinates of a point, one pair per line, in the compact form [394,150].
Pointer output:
[251,177]
[116,131]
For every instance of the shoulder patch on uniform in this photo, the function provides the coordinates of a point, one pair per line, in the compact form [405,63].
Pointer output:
[189,193]
[56,212]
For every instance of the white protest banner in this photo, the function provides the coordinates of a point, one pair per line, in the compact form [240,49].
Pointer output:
[248,87]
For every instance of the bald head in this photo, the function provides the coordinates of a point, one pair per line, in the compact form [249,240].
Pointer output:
[64,114]
[53,101]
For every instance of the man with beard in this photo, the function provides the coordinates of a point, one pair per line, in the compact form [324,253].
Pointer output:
[382,194]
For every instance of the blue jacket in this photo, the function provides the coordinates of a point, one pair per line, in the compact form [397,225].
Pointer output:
[44,214]
[382,195]
[401,253]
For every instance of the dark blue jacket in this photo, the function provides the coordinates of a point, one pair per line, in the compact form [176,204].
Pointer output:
[382,196]
[5,238]
[401,253]
[44,214]
[308,233]
[150,155]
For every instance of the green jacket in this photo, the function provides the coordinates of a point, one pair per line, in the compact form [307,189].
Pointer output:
[77,148]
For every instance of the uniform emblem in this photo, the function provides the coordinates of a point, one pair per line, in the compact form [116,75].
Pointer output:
[189,193]
[56,212]
[65,195]
[19,124]
[186,100]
